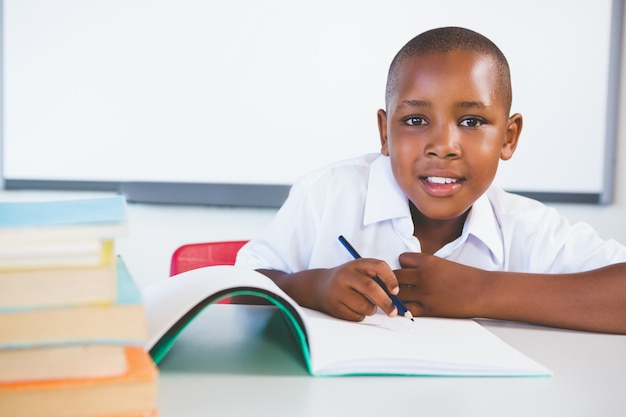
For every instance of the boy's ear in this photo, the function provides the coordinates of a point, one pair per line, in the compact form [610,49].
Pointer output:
[513,131]
[382,131]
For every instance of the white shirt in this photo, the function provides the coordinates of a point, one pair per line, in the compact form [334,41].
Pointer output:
[360,199]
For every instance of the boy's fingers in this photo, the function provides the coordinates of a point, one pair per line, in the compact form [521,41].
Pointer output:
[377,268]
[410,259]
[374,292]
[373,288]
[406,277]
[346,313]
[354,307]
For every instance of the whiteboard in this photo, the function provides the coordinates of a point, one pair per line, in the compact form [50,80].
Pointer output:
[246,92]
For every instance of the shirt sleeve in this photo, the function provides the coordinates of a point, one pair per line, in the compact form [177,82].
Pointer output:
[287,243]
[541,240]
[580,248]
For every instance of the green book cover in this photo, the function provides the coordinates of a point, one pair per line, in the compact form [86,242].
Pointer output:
[379,345]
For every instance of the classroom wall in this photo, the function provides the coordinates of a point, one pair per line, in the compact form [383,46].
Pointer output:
[610,220]
[102,95]
[157,230]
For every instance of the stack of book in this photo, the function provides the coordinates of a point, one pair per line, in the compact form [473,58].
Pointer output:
[72,321]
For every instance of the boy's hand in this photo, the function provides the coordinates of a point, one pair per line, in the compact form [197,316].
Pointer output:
[435,287]
[348,291]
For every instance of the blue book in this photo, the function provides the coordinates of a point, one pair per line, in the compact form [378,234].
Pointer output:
[104,210]
[121,322]
[27,221]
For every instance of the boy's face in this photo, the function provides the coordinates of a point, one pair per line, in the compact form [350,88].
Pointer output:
[446,130]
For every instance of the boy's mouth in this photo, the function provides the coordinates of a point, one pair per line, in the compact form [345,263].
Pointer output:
[441,186]
[441,180]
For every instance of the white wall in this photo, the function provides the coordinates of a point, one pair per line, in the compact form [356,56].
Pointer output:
[609,221]
[157,230]
[101,94]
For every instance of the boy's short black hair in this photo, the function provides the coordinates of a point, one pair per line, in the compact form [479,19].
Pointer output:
[448,39]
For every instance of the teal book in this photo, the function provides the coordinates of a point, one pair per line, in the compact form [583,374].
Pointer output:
[122,321]
[379,345]
[28,221]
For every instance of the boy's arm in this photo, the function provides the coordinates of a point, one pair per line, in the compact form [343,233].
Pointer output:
[347,291]
[593,300]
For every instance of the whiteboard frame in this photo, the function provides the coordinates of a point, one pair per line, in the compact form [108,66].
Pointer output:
[268,195]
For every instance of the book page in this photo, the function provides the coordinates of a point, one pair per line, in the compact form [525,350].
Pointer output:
[378,345]
[172,302]
[426,346]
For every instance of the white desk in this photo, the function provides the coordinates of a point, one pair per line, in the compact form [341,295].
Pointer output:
[235,360]
[240,360]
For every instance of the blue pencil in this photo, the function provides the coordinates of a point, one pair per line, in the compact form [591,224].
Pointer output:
[396,301]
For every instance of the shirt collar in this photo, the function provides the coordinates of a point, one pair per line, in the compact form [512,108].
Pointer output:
[384,199]
[482,223]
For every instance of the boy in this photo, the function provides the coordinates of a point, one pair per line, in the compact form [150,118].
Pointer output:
[427,219]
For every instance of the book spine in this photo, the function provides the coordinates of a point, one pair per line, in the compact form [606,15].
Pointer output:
[72,322]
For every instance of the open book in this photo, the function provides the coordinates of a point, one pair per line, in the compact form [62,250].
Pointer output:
[379,345]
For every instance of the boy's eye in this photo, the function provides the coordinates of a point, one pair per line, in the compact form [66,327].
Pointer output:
[472,122]
[415,121]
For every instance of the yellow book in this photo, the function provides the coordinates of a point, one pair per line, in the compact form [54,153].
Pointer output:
[60,254]
[65,285]
[122,321]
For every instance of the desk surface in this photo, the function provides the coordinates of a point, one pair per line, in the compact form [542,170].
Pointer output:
[236,360]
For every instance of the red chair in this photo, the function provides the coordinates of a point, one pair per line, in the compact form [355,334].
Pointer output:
[198,255]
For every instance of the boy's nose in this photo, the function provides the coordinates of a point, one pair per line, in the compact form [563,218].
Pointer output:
[444,144]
